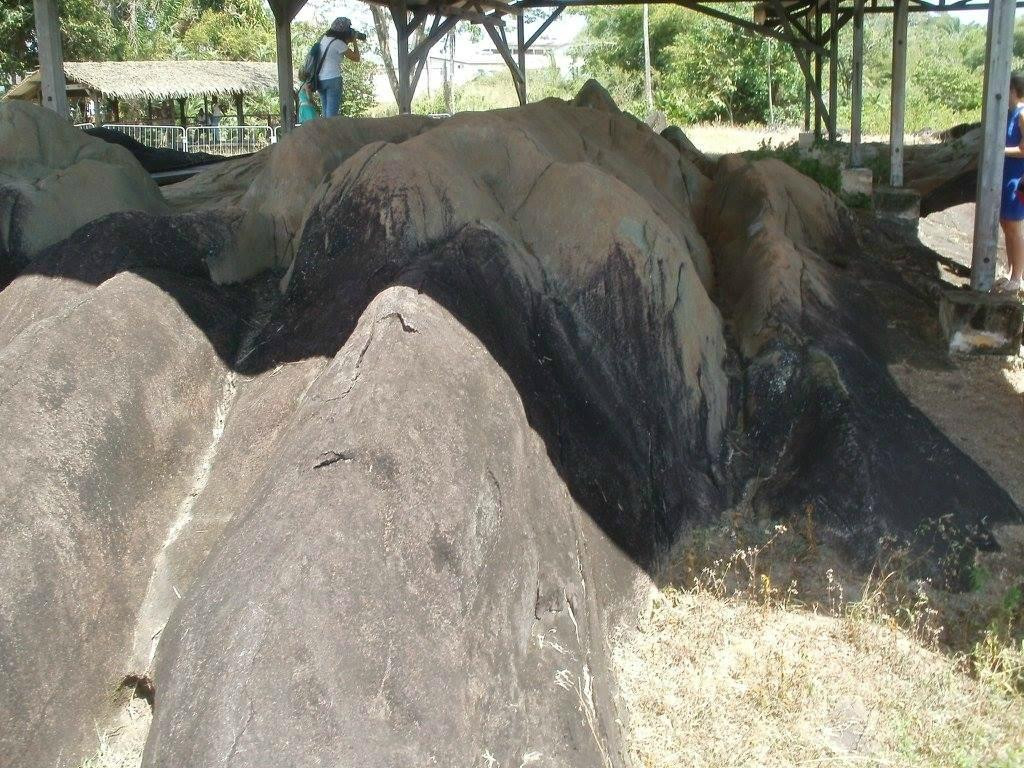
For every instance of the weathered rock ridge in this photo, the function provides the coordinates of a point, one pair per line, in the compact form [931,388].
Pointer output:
[52,181]
[360,456]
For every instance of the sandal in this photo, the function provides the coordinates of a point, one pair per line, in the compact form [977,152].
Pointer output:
[1008,287]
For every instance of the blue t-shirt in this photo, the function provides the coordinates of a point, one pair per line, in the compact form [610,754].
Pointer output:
[1013,167]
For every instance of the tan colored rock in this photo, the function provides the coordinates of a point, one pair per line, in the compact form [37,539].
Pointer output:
[54,178]
[596,96]
[220,186]
[273,189]
[768,224]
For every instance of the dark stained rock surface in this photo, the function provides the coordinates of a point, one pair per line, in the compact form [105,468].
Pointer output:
[384,499]
[154,159]
[831,431]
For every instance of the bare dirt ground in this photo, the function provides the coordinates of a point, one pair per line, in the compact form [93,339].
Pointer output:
[712,139]
[977,401]
[717,139]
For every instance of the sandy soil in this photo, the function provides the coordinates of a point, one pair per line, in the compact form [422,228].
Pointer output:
[714,139]
[977,401]
[721,139]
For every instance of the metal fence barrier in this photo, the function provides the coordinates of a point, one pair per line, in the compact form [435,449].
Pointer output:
[215,140]
[156,136]
[229,139]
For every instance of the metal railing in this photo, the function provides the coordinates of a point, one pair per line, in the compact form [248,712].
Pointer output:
[215,140]
[156,136]
[228,139]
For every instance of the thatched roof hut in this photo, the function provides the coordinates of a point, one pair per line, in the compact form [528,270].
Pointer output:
[157,80]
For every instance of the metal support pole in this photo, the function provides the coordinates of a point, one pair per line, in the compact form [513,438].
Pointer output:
[807,106]
[648,92]
[819,113]
[998,54]
[51,57]
[898,102]
[857,86]
[807,87]
[285,80]
[521,52]
[833,66]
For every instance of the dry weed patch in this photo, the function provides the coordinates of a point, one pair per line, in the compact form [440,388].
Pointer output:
[756,652]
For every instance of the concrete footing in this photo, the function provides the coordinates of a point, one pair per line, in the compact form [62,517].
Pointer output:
[986,323]
[856,181]
[899,205]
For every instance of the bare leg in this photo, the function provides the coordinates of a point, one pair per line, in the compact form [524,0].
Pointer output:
[1014,235]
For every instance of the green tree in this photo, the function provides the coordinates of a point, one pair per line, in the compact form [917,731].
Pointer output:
[87,33]
[703,68]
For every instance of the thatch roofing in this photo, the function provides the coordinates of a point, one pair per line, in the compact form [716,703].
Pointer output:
[159,79]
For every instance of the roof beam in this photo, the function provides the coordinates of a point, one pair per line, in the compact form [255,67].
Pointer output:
[543,27]
[748,25]
[801,57]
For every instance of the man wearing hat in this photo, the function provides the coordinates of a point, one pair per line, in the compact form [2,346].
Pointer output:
[337,41]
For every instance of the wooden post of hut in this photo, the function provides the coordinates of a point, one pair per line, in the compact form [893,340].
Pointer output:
[53,93]
[116,108]
[149,111]
[181,111]
[240,108]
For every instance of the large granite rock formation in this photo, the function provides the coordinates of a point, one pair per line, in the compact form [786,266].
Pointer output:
[543,295]
[107,408]
[830,431]
[393,512]
[54,178]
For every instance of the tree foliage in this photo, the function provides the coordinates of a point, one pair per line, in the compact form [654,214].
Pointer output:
[705,69]
[126,30]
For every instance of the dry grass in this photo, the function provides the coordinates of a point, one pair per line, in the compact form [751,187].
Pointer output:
[742,665]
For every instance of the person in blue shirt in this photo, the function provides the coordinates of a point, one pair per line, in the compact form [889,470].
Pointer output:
[1011,211]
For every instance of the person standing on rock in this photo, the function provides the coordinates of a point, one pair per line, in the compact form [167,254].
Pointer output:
[1011,211]
[333,46]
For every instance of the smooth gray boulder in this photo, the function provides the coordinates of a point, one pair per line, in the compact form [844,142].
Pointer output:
[412,585]
[106,412]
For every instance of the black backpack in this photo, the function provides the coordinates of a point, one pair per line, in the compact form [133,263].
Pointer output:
[309,72]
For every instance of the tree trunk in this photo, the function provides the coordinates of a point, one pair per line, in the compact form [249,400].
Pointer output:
[382,27]
[449,71]
[380,23]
